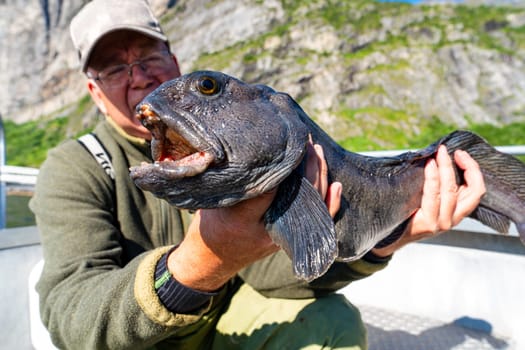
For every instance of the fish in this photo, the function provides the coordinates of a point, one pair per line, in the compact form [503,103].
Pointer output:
[217,140]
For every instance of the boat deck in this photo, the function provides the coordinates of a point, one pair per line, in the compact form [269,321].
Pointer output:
[388,330]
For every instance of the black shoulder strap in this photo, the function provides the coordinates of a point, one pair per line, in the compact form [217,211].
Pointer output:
[94,146]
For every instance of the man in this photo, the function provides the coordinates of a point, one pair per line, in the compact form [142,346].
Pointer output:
[122,270]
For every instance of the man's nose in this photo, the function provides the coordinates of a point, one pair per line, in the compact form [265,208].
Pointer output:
[138,75]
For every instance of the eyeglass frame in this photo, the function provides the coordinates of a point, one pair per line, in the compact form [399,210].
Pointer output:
[165,53]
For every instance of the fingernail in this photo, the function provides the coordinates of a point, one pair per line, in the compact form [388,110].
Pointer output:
[460,153]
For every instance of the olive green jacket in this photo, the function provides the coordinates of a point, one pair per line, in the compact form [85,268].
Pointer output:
[101,240]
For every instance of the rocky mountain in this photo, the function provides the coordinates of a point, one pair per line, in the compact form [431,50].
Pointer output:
[352,65]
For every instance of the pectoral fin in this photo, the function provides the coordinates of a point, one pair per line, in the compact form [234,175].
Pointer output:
[300,223]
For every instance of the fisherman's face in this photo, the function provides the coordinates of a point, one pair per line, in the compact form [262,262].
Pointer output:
[117,88]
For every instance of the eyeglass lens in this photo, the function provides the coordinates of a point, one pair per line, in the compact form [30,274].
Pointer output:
[120,74]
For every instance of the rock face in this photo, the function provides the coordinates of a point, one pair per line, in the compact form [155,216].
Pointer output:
[350,55]
[36,57]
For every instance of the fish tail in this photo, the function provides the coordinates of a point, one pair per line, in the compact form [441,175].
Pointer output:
[504,177]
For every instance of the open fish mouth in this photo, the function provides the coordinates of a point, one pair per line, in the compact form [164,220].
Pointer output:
[174,156]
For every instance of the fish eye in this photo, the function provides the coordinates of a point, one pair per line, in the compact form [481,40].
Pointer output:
[208,86]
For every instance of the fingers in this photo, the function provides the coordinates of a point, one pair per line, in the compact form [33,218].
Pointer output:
[471,192]
[317,174]
[443,203]
[333,198]
[448,189]
[323,171]
[316,168]
[430,200]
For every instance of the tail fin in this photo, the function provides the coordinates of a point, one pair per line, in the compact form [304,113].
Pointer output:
[504,177]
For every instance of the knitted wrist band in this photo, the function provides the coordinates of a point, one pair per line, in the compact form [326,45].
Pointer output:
[175,296]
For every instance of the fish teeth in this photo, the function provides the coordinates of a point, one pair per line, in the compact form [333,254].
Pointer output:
[147,115]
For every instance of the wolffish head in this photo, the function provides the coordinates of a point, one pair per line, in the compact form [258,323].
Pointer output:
[217,140]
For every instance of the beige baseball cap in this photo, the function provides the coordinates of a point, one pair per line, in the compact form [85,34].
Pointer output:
[100,17]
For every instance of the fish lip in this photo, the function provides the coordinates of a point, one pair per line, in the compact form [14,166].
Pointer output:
[171,151]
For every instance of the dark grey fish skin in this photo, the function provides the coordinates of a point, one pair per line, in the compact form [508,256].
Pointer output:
[218,141]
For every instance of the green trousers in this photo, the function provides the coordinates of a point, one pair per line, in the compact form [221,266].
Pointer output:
[253,322]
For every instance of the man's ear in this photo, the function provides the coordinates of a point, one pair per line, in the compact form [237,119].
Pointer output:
[97,95]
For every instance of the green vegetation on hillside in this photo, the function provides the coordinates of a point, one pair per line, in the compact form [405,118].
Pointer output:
[27,143]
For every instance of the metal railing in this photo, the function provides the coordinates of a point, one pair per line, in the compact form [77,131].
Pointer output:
[513,150]
[18,175]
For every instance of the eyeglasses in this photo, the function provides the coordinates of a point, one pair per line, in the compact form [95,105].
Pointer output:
[120,74]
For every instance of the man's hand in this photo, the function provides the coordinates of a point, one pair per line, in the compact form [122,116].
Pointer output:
[444,204]
[220,242]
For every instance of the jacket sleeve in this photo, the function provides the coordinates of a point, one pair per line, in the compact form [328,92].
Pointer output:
[90,298]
